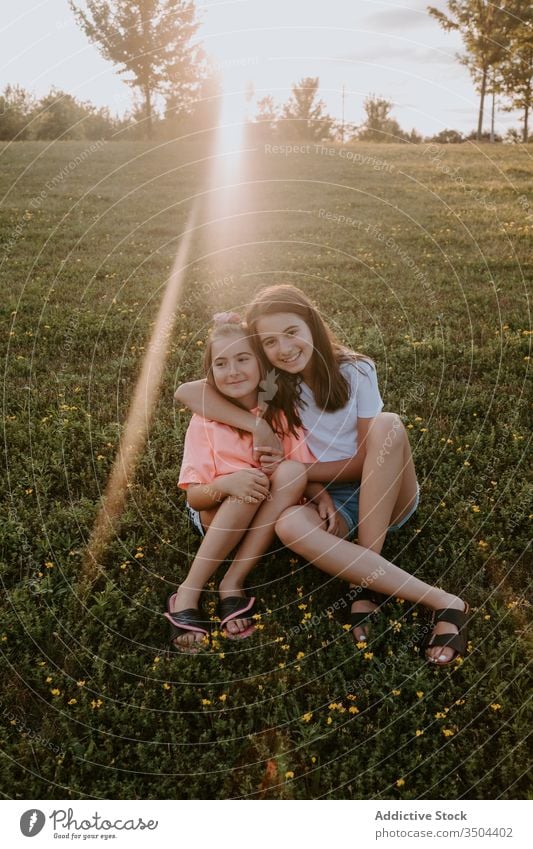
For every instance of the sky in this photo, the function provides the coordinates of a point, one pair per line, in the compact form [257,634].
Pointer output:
[391,48]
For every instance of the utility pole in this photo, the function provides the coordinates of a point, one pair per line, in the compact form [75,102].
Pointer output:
[493,107]
[342,123]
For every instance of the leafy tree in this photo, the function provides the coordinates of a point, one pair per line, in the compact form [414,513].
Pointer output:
[305,114]
[516,70]
[202,113]
[152,43]
[59,116]
[484,27]
[16,108]
[379,126]
[266,121]
[447,137]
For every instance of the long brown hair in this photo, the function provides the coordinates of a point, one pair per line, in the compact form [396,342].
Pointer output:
[330,387]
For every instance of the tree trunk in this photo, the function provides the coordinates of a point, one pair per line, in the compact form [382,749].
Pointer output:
[492,116]
[481,104]
[526,116]
[148,109]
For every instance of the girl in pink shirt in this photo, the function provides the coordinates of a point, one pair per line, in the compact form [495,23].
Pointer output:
[237,499]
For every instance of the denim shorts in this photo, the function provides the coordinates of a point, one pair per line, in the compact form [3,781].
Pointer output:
[346,499]
[195,520]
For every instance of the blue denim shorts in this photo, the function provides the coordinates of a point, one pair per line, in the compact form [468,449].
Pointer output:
[195,520]
[346,499]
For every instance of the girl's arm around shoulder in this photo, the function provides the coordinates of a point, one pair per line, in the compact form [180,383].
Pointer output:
[203,399]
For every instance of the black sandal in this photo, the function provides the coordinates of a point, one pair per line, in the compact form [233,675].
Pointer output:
[359,618]
[236,607]
[186,622]
[457,642]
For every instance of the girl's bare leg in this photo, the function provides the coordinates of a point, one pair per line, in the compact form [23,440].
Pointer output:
[388,490]
[287,484]
[299,529]
[226,527]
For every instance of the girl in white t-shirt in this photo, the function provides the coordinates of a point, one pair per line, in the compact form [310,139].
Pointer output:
[333,392]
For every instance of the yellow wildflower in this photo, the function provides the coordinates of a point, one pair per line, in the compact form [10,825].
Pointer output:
[72,701]
[496,706]
[368,655]
[223,697]
[166,686]
[96,703]
[206,702]
[396,692]
[420,694]
[307,717]
[448,732]
[400,782]
[289,774]
[55,692]
[419,732]
[353,709]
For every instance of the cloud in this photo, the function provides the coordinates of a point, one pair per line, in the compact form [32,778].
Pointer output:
[394,19]
[387,53]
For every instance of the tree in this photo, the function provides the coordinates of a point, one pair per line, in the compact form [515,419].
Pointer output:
[379,126]
[484,27]
[265,125]
[59,116]
[304,114]
[447,137]
[16,108]
[150,41]
[516,70]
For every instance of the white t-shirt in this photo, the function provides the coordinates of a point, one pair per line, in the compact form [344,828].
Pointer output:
[333,436]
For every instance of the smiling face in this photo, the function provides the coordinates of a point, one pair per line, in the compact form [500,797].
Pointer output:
[235,369]
[287,342]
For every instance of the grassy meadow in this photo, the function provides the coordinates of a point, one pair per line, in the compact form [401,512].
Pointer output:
[418,256]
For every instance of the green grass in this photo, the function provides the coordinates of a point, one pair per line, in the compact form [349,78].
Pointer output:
[441,307]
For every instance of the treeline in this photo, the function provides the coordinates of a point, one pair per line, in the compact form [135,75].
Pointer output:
[59,115]
[303,117]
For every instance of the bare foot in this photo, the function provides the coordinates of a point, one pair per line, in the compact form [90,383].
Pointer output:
[234,626]
[184,599]
[441,655]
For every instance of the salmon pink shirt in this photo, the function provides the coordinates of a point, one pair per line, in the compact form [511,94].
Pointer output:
[212,449]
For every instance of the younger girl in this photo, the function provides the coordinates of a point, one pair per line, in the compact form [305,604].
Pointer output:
[333,392]
[227,492]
